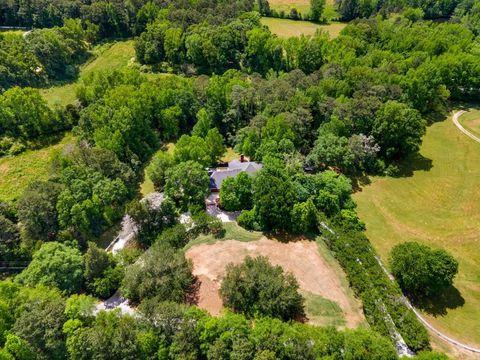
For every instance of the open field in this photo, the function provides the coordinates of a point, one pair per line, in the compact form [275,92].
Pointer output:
[328,302]
[303,7]
[471,121]
[285,28]
[436,202]
[17,172]
[106,56]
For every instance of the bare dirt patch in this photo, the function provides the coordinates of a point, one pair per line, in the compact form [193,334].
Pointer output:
[301,258]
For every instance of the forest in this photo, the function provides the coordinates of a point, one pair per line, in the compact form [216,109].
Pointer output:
[317,113]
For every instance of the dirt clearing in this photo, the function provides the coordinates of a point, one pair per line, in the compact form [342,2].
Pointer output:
[301,258]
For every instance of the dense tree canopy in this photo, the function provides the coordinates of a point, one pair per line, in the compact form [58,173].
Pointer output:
[422,271]
[55,265]
[256,288]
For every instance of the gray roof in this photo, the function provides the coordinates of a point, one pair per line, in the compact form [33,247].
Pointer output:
[234,168]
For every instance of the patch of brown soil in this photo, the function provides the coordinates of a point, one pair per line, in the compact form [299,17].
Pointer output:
[301,258]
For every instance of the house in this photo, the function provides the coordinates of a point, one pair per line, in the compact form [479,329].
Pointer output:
[234,168]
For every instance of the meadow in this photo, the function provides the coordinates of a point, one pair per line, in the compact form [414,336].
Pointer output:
[17,172]
[303,7]
[111,55]
[435,201]
[285,28]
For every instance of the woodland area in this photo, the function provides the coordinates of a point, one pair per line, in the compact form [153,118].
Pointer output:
[317,113]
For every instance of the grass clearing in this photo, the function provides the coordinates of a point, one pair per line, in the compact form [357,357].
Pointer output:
[286,28]
[113,55]
[17,172]
[322,312]
[437,203]
[232,232]
[303,7]
[471,121]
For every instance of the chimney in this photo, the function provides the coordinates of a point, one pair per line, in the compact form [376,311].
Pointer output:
[242,158]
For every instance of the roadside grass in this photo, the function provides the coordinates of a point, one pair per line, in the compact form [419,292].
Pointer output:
[112,55]
[322,312]
[471,121]
[285,28]
[435,202]
[17,172]
[232,232]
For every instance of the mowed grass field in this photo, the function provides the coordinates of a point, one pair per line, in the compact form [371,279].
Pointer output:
[471,121]
[17,172]
[285,28]
[113,55]
[439,205]
[303,7]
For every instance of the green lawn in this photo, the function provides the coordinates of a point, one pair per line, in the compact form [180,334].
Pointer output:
[322,312]
[437,204]
[285,28]
[112,55]
[232,232]
[17,172]
[471,121]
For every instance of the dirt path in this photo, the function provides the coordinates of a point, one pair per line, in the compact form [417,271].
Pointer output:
[302,258]
[461,128]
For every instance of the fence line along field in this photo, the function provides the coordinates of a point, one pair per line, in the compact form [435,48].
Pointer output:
[328,300]
[435,201]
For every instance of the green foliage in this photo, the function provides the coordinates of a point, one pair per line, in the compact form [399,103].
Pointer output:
[398,129]
[55,265]
[80,307]
[157,168]
[187,184]
[369,281]
[102,275]
[316,9]
[175,236]
[41,324]
[273,194]
[256,288]
[161,272]
[206,224]
[9,239]
[236,192]
[422,271]
[331,150]
[37,210]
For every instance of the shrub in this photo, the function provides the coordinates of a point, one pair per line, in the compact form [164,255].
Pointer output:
[255,287]
[247,220]
[176,236]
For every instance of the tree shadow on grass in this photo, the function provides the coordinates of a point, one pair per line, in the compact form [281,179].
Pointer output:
[415,162]
[439,305]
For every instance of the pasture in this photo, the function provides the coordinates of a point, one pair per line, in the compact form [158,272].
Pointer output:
[112,55]
[435,201]
[286,28]
[17,172]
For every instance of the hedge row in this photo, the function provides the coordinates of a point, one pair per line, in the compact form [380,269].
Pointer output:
[355,254]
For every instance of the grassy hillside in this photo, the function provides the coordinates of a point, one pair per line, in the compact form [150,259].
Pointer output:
[17,172]
[112,55]
[286,28]
[437,203]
